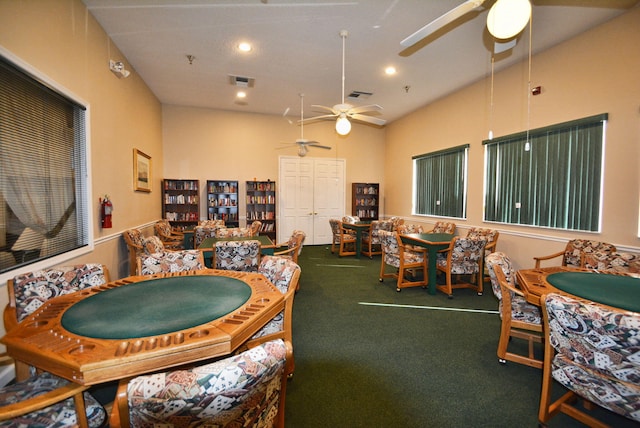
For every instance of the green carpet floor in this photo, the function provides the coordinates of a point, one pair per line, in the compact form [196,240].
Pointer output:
[368,356]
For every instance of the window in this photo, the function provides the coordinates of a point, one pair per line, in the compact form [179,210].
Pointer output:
[550,179]
[440,183]
[43,172]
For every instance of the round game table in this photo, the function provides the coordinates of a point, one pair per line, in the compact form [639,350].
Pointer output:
[141,324]
[619,291]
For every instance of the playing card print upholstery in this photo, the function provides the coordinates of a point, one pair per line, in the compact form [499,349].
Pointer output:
[592,350]
[61,414]
[237,255]
[170,261]
[244,390]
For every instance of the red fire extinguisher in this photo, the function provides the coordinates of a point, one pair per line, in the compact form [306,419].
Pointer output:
[106,208]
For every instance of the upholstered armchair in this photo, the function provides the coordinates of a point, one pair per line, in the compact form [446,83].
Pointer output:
[463,257]
[211,223]
[27,292]
[371,237]
[243,390]
[255,227]
[170,261]
[171,239]
[232,232]
[135,245]
[491,236]
[395,223]
[443,227]
[343,239]
[284,273]
[616,262]
[294,246]
[592,351]
[576,250]
[403,260]
[520,319]
[152,244]
[45,400]
[237,255]
[200,233]
[350,219]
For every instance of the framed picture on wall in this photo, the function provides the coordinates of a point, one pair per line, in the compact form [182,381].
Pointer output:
[141,171]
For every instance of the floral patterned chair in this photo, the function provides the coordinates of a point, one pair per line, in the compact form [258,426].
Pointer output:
[200,233]
[404,260]
[27,292]
[371,238]
[254,228]
[576,250]
[350,219]
[284,273]
[491,236]
[171,239]
[211,223]
[170,261]
[623,263]
[151,245]
[463,257]
[294,246]
[243,390]
[135,246]
[31,409]
[591,350]
[237,255]
[520,319]
[234,232]
[443,227]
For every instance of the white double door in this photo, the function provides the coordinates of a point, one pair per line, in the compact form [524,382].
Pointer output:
[311,191]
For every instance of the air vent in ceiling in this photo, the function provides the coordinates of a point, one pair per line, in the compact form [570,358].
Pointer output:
[243,82]
[359,95]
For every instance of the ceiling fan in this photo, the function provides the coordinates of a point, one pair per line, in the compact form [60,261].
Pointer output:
[303,144]
[506,19]
[343,112]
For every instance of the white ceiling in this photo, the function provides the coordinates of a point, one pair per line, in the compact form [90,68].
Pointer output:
[298,49]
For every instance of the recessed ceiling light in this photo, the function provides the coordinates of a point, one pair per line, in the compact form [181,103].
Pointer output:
[241,94]
[244,47]
[391,70]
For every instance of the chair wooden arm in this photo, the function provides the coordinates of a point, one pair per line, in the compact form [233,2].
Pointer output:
[120,411]
[549,257]
[23,407]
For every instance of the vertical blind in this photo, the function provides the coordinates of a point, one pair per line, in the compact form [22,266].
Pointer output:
[43,194]
[549,177]
[440,182]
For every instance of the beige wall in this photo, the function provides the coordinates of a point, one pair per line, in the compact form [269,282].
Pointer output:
[590,74]
[209,144]
[60,40]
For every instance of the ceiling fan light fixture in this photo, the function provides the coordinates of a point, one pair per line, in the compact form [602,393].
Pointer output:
[507,18]
[343,126]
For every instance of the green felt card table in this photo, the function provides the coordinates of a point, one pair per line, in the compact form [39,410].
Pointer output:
[141,324]
[618,291]
[433,242]
[359,227]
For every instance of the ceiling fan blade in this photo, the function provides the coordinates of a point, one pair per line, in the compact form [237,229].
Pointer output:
[440,22]
[332,110]
[368,119]
[311,119]
[363,109]
[318,145]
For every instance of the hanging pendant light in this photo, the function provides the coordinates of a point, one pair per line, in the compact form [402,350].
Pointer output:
[507,18]
[343,126]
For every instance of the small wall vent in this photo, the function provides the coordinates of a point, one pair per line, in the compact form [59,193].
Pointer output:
[359,95]
[243,82]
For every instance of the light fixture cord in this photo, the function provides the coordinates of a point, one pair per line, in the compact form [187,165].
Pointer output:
[301,117]
[344,37]
[491,99]
[527,145]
